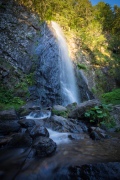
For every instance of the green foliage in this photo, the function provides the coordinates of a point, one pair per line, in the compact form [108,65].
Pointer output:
[60,113]
[16,96]
[104,14]
[112,97]
[81,66]
[27,81]
[97,27]
[100,115]
[8,100]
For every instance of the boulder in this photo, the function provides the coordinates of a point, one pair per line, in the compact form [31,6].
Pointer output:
[59,108]
[94,135]
[24,111]
[20,140]
[81,108]
[99,171]
[8,115]
[75,136]
[27,123]
[44,146]
[115,113]
[72,106]
[38,131]
[5,140]
[61,124]
[97,133]
[60,111]
[9,127]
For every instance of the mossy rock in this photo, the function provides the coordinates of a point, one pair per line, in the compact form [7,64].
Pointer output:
[60,111]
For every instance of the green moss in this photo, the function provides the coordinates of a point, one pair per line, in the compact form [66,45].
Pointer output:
[60,113]
[112,97]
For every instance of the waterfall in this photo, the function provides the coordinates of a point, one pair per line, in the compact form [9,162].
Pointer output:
[69,90]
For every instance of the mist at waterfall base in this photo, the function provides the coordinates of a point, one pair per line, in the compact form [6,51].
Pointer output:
[69,89]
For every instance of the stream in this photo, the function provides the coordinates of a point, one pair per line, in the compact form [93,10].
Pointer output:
[20,163]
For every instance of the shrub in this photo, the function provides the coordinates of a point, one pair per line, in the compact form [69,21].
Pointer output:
[81,66]
[100,115]
[112,97]
[8,100]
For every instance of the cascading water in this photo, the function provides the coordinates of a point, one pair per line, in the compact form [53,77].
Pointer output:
[69,91]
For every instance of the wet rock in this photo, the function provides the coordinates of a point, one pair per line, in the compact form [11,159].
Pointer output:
[115,113]
[81,108]
[33,108]
[72,106]
[97,133]
[99,171]
[38,131]
[104,135]
[9,127]
[1,174]
[20,140]
[5,140]
[44,146]
[61,124]
[24,111]
[59,108]
[8,115]
[75,136]
[40,114]
[97,129]
[94,135]
[27,123]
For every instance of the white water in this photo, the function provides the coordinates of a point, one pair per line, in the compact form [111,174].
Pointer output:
[67,77]
[39,115]
[58,137]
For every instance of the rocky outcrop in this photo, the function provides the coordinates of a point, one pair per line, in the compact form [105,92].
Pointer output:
[48,72]
[98,171]
[20,140]
[81,108]
[59,108]
[18,35]
[44,146]
[26,123]
[8,115]
[58,123]
[30,47]
[25,133]
[116,114]
[97,133]
[38,131]
[84,90]
[9,127]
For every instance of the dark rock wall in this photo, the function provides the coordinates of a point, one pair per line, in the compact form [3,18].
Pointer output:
[27,45]
[48,71]
[18,34]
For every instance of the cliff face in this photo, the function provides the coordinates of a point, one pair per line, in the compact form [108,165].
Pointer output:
[29,47]
[18,35]
[48,70]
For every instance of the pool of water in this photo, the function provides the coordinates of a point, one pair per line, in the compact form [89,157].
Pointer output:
[20,164]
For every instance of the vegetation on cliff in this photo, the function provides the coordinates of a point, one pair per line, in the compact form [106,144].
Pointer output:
[97,29]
